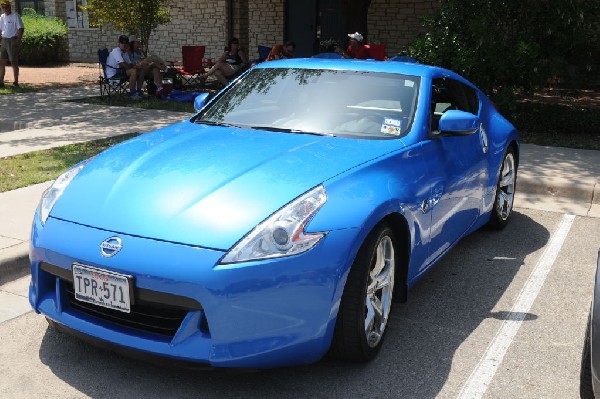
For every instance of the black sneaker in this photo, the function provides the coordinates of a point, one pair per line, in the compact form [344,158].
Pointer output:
[2,85]
[16,85]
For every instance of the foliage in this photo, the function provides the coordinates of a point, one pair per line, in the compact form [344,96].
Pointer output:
[514,44]
[560,125]
[44,40]
[137,17]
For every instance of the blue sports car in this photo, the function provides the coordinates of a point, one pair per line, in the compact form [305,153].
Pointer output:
[279,223]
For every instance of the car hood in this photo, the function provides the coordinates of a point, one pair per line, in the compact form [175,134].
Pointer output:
[205,185]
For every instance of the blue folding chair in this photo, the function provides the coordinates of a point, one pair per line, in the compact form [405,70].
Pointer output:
[116,84]
[327,55]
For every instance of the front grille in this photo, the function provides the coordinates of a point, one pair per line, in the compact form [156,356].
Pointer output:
[151,317]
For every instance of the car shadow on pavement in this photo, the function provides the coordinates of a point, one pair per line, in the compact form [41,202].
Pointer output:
[469,290]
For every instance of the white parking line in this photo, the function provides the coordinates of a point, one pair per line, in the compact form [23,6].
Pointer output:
[479,380]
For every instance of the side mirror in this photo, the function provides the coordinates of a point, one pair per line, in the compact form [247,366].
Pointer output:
[458,123]
[200,101]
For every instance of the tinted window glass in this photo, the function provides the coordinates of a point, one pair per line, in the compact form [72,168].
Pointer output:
[332,102]
[451,94]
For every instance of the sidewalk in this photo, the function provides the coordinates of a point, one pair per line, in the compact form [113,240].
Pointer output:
[550,178]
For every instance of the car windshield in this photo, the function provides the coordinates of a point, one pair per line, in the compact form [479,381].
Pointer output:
[358,104]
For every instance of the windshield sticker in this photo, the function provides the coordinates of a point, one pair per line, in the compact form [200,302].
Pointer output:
[391,126]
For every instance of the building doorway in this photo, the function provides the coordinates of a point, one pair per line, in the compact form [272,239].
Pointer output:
[308,22]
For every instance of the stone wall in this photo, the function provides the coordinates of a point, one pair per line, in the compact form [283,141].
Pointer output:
[267,24]
[256,22]
[195,22]
[396,23]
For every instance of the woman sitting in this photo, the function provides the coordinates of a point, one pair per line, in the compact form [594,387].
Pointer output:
[233,60]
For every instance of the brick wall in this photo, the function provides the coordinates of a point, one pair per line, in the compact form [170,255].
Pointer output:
[396,22]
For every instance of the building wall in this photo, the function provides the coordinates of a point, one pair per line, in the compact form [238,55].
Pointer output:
[266,24]
[396,23]
[194,22]
[256,22]
[240,21]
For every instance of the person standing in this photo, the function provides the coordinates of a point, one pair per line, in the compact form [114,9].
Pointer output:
[11,30]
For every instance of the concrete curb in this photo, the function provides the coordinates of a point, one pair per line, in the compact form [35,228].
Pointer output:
[585,192]
[14,262]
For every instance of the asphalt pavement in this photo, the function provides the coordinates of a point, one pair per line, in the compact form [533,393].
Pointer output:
[549,178]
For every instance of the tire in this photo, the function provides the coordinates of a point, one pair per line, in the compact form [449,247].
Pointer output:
[360,328]
[505,192]
[585,377]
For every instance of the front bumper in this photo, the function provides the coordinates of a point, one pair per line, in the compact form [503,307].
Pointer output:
[254,314]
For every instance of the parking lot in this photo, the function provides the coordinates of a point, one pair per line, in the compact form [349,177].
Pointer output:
[503,316]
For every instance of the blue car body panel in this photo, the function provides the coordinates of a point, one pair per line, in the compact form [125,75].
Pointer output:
[180,197]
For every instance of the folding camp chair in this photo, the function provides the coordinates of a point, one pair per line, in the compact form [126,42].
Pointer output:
[377,51]
[116,84]
[263,53]
[327,55]
[191,72]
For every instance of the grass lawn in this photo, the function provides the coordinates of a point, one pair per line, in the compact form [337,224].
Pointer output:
[10,89]
[146,103]
[40,166]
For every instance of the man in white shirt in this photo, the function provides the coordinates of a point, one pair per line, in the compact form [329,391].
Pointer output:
[11,31]
[118,62]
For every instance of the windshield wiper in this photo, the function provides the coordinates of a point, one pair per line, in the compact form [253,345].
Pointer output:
[287,130]
[213,123]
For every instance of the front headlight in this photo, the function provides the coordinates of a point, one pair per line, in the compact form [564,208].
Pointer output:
[281,234]
[51,195]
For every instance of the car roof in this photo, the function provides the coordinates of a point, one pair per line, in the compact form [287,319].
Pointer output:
[406,68]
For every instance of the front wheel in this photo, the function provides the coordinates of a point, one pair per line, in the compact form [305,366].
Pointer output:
[505,192]
[367,298]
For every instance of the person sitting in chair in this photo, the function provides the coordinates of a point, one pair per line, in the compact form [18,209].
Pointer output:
[279,52]
[146,66]
[118,64]
[233,60]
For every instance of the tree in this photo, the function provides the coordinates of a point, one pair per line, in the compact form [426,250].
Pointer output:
[136,17]
[512,44]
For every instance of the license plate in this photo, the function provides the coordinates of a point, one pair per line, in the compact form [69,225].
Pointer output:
[102,287]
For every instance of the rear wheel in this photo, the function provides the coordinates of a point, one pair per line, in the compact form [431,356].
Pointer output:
[505,192]
[367,298]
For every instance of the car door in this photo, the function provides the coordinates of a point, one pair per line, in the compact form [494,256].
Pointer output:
[456,166]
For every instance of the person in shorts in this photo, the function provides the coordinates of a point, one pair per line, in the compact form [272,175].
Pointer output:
[232,62]
[11,31]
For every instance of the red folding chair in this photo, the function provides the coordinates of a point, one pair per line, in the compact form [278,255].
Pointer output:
[377,51]
[192,70]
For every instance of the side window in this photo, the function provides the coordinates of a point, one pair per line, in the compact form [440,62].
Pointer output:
[450,94]
[472,99]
